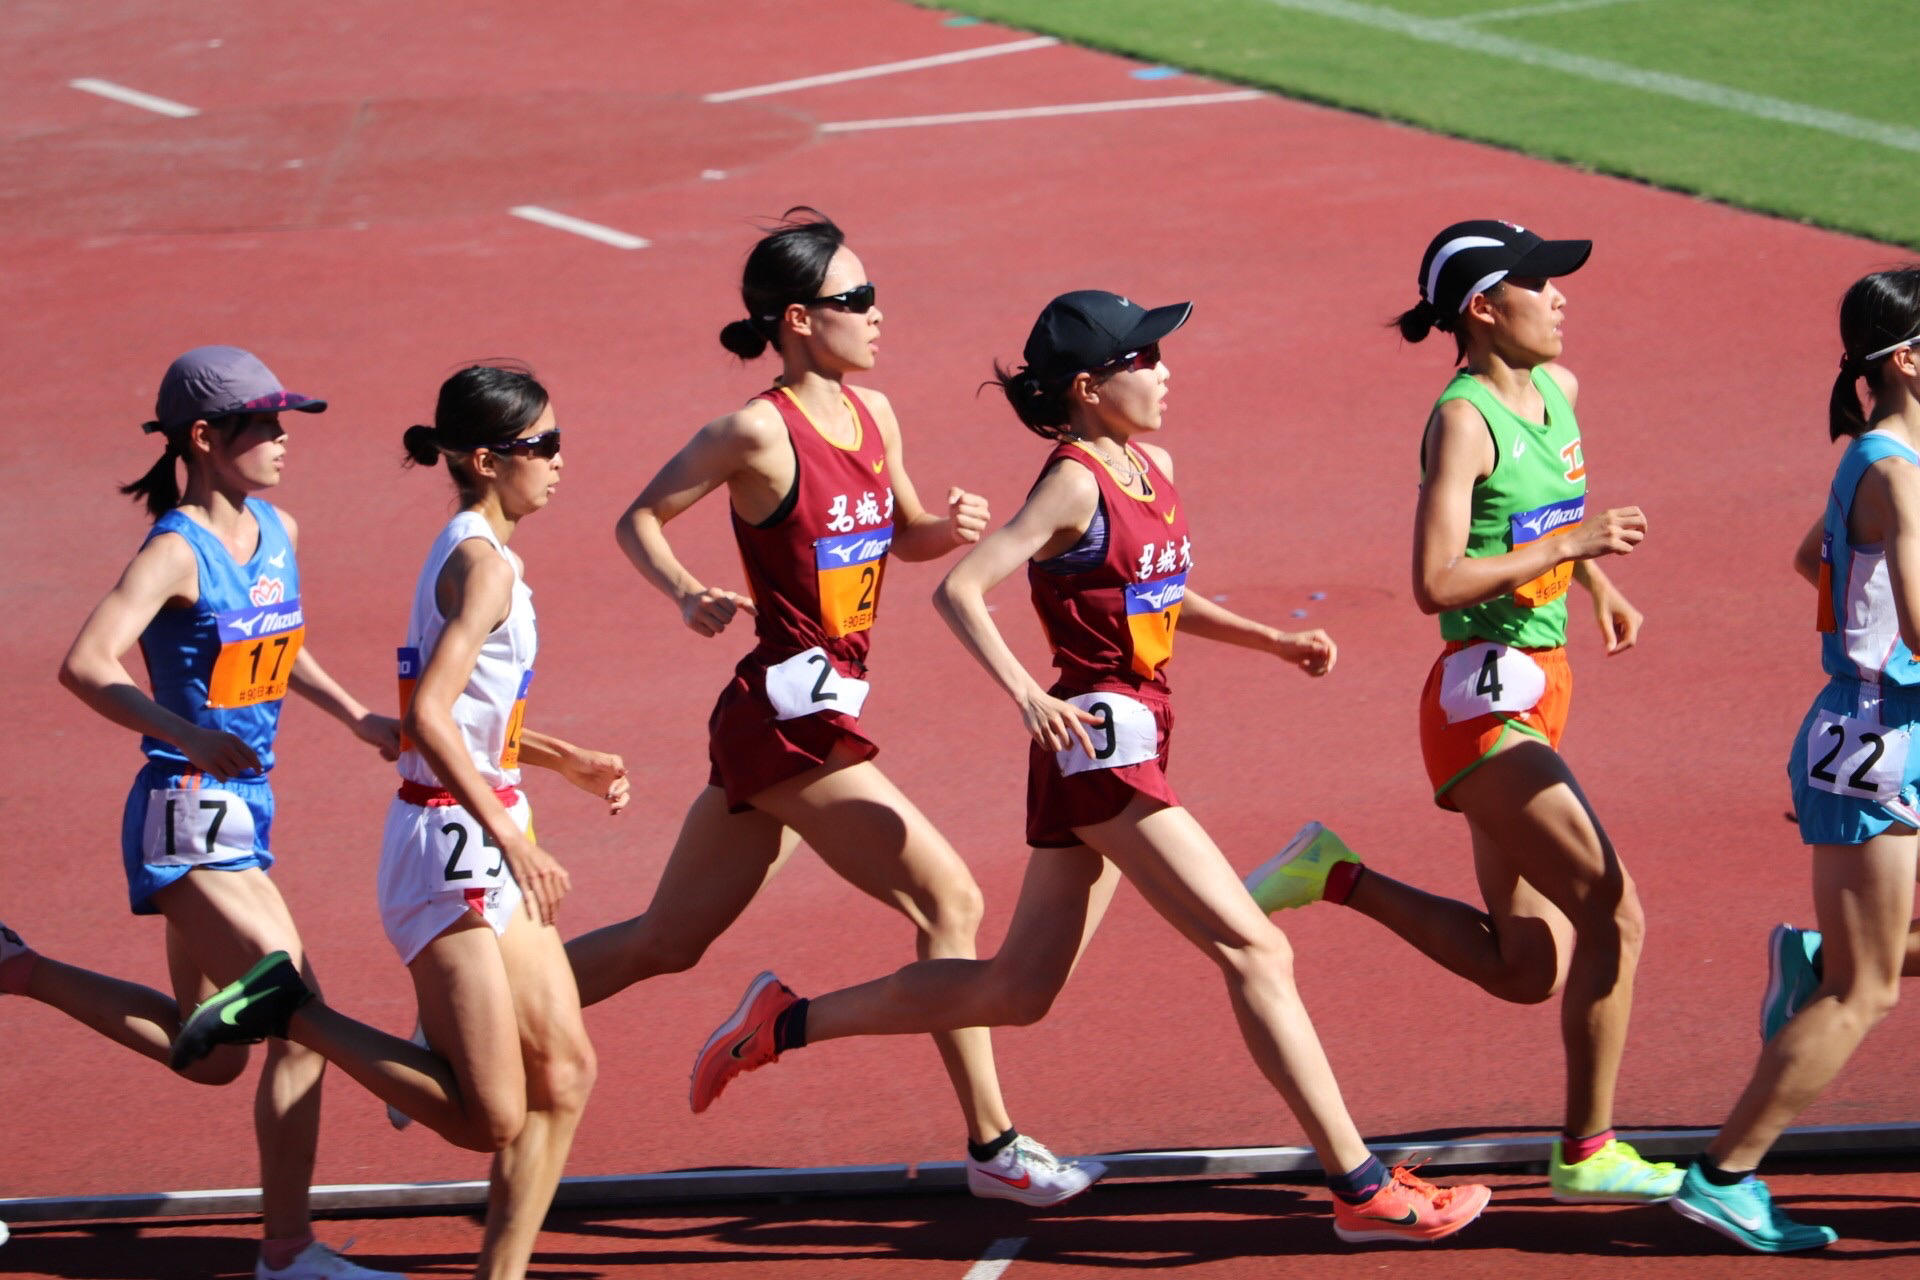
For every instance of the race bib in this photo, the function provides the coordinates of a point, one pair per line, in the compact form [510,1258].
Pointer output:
[257,647]
[464,851]
[807,683]
[510,750]
[193,826]
[847,572]
[1153,611]
[1123,734]
[409,659]
[1484,678]
[1862,759]
[1549,521]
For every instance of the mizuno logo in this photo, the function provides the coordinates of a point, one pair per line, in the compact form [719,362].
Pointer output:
[1159,599]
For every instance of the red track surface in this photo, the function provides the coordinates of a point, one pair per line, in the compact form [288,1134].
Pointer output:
[384,257]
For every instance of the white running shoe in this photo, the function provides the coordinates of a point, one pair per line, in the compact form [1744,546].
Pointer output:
[1027,1172]
[395,1116]
[317,1262]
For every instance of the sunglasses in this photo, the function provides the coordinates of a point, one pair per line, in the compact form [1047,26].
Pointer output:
[544,445]
[1147,357]
[858,299]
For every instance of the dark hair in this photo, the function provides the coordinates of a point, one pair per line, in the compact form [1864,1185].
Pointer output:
[159,488]
[1877,311]
[1423,317]
[786,266]
[481,406]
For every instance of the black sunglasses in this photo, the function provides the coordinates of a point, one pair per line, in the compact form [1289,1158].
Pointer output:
[1147,357]
[858,299]
[544,445]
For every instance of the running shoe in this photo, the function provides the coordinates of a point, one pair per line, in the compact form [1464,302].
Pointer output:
[317,1262]
[1793,976]
[1297,875]
[1409,1209]
[259,1005]
[11,946]
[395,1116]
[1615,1174]
[1027,1172]
[1744,1213]
[742,1043]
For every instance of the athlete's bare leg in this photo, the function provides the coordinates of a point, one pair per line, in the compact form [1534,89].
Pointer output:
[1863,896]
[560,1070]
[719,862]
[878,841]
[142,1019]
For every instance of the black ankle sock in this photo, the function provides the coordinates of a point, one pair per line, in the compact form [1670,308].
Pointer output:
[790,1028]
[1361,1184]
[1719,1177]
[985,1151]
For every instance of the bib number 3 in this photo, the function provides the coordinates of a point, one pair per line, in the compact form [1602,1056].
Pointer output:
[808,683]
[1485,678]
[1124,733]
[1857,758]
[194,826]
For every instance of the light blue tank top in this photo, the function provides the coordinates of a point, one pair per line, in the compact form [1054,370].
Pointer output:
[1860,630]
[225,662]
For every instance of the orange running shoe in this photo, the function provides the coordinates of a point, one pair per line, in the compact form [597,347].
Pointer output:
[742,1043]
[1410,1209]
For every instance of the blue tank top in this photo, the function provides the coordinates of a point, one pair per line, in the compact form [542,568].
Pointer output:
[1860,630]
[225,662]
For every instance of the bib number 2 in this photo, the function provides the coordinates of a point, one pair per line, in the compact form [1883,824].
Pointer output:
[808,683]
[1857,758]
[1486,678]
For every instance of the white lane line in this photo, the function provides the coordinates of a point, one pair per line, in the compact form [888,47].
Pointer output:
[133,97]
[1031,113]
[883,69]
[1759,106]
[1540,10]
[995,1261]
[578,226]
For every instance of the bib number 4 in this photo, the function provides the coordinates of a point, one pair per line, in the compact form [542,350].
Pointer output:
[1486,678]
[1857,758]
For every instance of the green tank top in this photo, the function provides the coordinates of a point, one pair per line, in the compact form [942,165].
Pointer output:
[1538,489]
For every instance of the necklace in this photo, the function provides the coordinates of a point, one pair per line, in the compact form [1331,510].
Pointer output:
[1125,471]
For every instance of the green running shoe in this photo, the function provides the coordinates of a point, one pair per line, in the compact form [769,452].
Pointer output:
[1793,976]
[1297,875]
[1615,1174]
[1744,1213]
[244,1012]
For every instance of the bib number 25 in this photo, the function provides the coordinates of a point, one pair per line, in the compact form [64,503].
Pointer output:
[1857,758]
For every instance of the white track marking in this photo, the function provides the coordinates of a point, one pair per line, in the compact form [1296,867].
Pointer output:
[1540,10]
[133,97]
[578,226]
[995,1261]
[883,69]
[1759,106]
[1030,113]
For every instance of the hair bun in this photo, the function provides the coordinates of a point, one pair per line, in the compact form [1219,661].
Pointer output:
[422,446]
[743,339]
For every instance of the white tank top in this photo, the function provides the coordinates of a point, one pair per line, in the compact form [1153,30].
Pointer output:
[489,710]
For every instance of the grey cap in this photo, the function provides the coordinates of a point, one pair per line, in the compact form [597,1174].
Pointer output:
[212,382]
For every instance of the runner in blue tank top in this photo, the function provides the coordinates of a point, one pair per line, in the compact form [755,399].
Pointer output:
[213,599]
[1854,769]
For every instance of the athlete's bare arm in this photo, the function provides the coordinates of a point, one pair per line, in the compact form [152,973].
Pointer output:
[918,534]
[162,574]
[1055,516]
[1806,556]
[1459,451]
[1619,621]
[474,592]
[748,451]
[598,773]
[1886,509]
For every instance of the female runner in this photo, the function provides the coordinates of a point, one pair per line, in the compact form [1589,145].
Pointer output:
[467,895]
[1853,767]
[820,499]
[1104,538]
[213,600]
[1498,535]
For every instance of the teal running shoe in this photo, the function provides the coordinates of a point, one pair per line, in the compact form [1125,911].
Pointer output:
[1793,976]
[1744,1213]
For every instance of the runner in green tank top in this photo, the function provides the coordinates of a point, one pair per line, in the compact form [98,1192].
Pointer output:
[1502,529]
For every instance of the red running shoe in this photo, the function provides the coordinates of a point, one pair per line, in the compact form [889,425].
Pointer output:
[1410,1209]
[742,1043]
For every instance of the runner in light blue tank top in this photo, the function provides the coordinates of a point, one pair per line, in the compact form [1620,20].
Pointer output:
[213,600]
[1853,768]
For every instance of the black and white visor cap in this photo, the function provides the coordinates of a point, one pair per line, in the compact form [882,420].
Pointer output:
[1471,257]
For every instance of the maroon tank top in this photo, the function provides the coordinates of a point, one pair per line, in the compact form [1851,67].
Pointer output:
[1111,626]
[815,570]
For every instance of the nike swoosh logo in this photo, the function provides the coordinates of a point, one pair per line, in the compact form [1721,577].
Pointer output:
[740,1044]
[1020,1183]
[1519,447]
[1411,1218]
[1170,514]
[228,1014]
[877,464]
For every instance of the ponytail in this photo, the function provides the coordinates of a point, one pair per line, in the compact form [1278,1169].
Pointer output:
[422,449]
[1422,318]
[160,486]
[1039,403]
[744,339]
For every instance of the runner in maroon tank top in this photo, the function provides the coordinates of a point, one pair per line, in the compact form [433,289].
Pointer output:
[1105,543]
[819,499]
